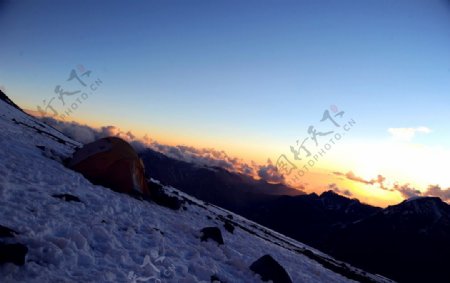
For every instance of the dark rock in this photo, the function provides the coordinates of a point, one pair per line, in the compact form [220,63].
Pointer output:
[215,279]
[213,185]
[67,197]
[6,232]
[212,233]
[13,253]
[269,269]
[159,196]
[229,226]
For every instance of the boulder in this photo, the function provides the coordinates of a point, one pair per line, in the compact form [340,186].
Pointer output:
[269,269]
[212,233]
[13,253]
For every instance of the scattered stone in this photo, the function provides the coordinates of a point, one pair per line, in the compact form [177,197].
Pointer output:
[229,226]
[41,147]
[269,269]
[212,233]
[6,232]
[13,253]
[67,197]
[215,279]
[159,196]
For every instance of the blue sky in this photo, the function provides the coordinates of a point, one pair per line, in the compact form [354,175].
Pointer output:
[245,76]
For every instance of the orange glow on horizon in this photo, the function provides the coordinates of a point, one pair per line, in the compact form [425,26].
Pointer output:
[399,161]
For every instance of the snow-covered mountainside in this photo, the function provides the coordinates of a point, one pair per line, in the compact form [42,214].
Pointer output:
[78,232]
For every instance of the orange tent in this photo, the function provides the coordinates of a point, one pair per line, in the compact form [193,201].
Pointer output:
[113,163]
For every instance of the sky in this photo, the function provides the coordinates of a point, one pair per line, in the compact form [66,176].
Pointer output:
[250,78]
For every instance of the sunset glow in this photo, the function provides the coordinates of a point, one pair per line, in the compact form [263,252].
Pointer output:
[250,79]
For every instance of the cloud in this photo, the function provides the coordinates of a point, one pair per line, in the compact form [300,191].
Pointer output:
[270,173]
[206,156]
[436,191]
[81,133]
[343,192]
[219,158]
[86,134]
[351,176]
[380,181]
[407,134]
[201,156]
[432,191]
[407,191]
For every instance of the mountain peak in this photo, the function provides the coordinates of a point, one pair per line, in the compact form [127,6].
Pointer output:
[6,99]
[332,195]
[423,199]
[423,206]
[328,193]
[334,201]
[424,202]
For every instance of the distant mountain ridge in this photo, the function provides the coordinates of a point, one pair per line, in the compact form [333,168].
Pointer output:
[408,242]
[212,184]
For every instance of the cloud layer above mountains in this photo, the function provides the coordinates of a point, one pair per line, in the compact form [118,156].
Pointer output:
[202,156]
[406,190]
[218,158]
[407,134]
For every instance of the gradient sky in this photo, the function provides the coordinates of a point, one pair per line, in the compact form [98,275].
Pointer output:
[249,77]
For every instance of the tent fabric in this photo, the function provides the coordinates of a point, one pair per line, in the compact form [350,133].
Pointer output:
[113,163]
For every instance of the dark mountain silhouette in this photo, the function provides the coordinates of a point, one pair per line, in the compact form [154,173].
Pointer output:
[408,242]
[310,218]
[212,184]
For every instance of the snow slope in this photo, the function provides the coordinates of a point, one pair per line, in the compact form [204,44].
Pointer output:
[111,237]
